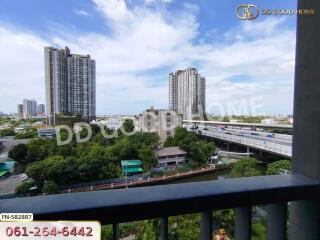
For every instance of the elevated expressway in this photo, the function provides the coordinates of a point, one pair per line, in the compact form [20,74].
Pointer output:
[246,134]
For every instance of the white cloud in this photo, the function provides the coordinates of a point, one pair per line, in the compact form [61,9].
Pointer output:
[149,2]
[80,12]
[267,59]
[21,67]
[114,10]
[191,7]
[145,41]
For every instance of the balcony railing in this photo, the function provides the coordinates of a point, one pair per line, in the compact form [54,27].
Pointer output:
[125,205]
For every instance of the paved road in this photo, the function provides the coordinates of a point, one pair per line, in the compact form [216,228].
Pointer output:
[8,185]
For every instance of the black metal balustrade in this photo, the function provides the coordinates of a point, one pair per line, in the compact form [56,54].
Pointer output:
[124,205]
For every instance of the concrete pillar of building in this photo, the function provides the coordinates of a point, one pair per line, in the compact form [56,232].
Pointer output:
[304,219]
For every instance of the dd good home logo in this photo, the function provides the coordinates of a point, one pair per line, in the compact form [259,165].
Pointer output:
[247,12]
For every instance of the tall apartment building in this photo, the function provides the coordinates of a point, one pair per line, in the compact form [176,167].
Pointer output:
[29,108]
[19,115]
[20,109]
[70,85]
[41,110]
[187,93]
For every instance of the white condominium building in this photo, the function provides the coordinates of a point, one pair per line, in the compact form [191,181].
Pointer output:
[187,93]
[29,108]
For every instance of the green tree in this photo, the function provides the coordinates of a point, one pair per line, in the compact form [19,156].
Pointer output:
[26,135]
[225,219]
[258,231]
[23,188]
[123,149]
[226,119]
[106,232]
[187,227]
[50,187]
[94,164]
[147,231]
[95,128]
[54,168]
[147,156]
[7,132]
[169,142]
[36,153]
[198,151]
[278,167]
[140,139]
[128,125]
[19,153]
[245,167]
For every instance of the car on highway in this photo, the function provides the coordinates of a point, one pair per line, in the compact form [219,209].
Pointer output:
[271,135]
[255,134]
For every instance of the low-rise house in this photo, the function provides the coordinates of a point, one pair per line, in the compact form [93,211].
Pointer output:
[170,156]
[131,167]
[6,168]
[46,132]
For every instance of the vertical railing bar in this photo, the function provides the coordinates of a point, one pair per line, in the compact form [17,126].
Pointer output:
[243,223]
[164,228]
[206,226]
[276,221]
[115,231]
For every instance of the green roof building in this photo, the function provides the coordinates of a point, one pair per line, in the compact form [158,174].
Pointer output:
[131,167]
[6,168]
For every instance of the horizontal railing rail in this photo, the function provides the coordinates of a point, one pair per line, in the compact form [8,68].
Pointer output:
[124,205]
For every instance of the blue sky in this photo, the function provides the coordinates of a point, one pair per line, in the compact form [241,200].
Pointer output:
[137,43]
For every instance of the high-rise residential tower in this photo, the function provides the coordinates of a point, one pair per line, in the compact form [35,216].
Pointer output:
[29,108]
[20,109]
[187,93]
[70,84]
[41,109]
[19,115]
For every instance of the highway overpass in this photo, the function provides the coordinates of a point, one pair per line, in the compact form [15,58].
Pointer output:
[241,125]
[279,144]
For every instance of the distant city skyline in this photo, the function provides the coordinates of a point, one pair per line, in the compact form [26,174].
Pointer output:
[138,43]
